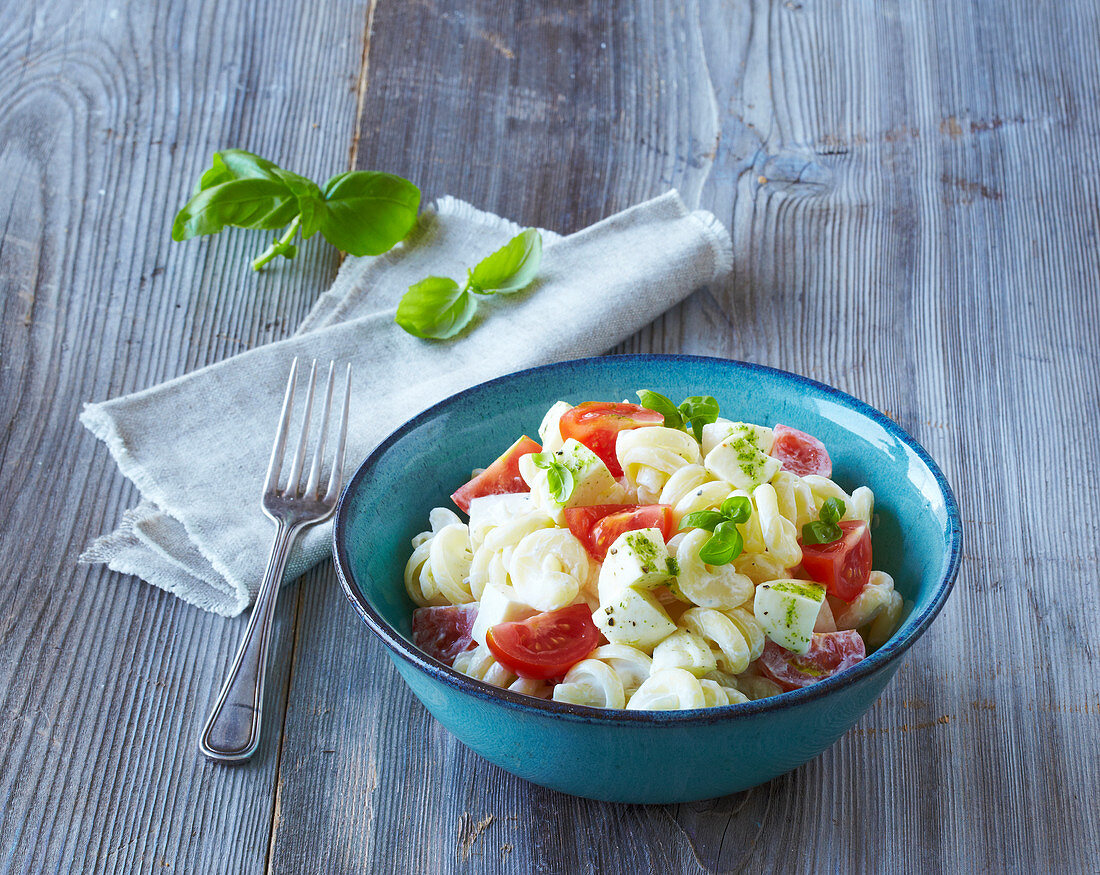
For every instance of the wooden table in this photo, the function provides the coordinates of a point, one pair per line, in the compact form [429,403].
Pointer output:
[912,191]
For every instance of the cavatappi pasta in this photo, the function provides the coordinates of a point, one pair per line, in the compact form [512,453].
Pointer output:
[617,526]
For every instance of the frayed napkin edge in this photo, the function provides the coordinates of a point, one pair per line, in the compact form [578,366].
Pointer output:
[103,427]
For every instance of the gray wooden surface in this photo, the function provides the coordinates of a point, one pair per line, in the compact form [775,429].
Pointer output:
[912,191]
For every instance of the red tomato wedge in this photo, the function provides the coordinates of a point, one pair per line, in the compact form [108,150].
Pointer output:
[598,526]
[830,653]
[500,477]
[545,645]
[444,632]
[801,453]
[596,424]
[843,566]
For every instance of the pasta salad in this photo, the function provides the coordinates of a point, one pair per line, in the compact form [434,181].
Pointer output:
[652,556]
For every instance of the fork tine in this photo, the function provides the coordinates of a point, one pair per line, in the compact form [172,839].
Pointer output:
[319,452]
[336,478]
[295,474]
[275,465]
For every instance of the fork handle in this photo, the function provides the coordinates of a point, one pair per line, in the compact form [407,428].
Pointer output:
[232,732]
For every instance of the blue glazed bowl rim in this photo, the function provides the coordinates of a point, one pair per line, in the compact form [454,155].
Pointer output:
[873,663]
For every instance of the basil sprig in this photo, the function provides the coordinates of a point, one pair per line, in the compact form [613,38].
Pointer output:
[725,542]
[362,212]
[825,530]
[438,308]
[696,411]
[558,477]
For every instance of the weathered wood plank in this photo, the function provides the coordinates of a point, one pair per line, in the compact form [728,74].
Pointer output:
[107,115]
[879,191]
[906,261]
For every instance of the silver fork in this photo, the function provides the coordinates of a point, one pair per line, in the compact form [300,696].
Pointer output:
[232,732]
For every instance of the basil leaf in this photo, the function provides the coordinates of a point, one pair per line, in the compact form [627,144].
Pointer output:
[311,202]
[230,164]
[658,403]
[702,519]
[560,480]
[558,477]
[724,546]
[435,308]
[832,511]
[261,203]
[699,410]
[510,268]
[820,532]
[368,213]
[737,509]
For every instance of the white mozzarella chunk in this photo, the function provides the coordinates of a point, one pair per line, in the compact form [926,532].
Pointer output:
[741,459]
[591,682]
[720,586]
[787,611]
[716,432]
[670,690]
[686,650]
[634,617]
[759,436]
[638,558]
[549,432]
[630,664]
[592,482]
[499,604]
[547,568]
[489,511]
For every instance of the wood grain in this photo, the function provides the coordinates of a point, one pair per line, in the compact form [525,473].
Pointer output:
[912,193]
[109,113]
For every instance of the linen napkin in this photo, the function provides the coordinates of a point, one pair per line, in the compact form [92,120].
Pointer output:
[197,446]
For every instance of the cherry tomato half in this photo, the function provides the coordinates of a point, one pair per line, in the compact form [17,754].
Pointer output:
[501,477]
[598,526]
[801,453]
[596,424]
[545,645]
[829,654]
[444,631]
[843,566]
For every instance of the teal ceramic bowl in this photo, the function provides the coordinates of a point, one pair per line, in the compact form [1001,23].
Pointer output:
[634,756]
